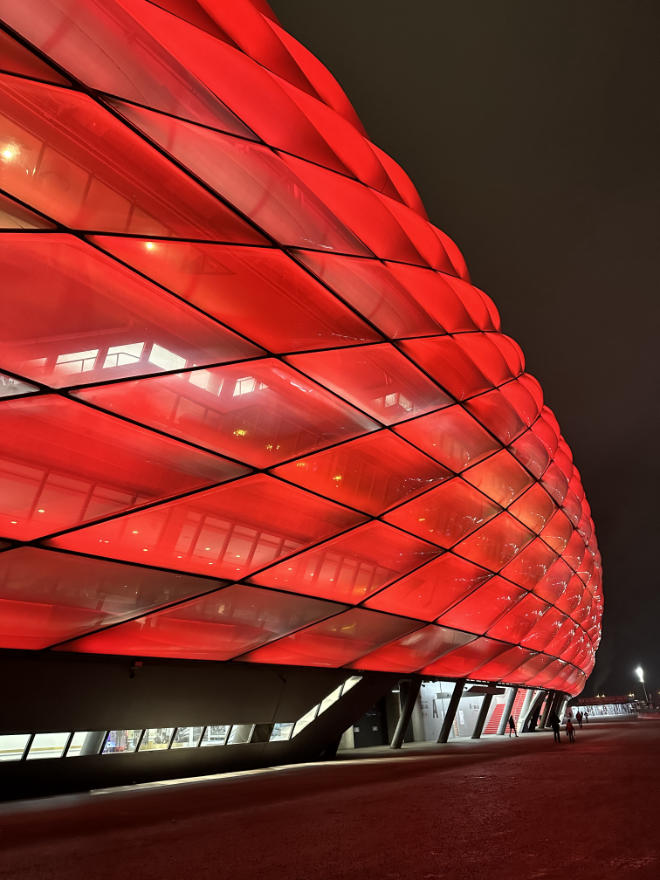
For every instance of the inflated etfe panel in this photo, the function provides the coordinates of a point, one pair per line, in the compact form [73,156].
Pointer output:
[252,406]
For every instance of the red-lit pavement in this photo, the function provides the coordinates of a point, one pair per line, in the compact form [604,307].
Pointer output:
[496,808]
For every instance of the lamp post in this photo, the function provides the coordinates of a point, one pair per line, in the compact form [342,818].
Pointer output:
[640,675]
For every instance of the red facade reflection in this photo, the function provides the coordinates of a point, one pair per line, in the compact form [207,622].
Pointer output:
[251,405]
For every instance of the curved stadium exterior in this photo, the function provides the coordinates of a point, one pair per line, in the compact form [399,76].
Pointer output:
[253,409]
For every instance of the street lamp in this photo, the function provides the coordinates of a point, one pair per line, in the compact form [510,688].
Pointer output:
[640,675]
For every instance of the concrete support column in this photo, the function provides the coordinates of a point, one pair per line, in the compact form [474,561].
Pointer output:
[408,693]
[508,706]
[524,712]
[452,708]
[546,711]
[481,717]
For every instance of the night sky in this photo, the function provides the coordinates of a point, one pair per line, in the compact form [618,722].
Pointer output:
[532,132]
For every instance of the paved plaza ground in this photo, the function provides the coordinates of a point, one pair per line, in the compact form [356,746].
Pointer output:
[494,808]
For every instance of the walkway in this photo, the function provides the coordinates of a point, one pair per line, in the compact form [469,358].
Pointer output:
[495,808]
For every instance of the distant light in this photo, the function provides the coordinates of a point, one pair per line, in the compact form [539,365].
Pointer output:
[9,152]
[639,672]
[150,245]
[40,510]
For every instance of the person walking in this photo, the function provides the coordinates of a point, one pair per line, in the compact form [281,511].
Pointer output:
[555,725]
[512,726]
[578,718]
[570,731]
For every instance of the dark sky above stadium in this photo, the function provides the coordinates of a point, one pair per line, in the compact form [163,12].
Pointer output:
[532,132]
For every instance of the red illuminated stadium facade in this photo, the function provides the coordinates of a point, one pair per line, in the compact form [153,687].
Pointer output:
[253,409]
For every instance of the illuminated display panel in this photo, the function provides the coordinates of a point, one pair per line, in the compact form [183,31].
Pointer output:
[257,289]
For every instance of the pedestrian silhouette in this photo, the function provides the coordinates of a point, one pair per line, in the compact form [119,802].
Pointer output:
[578,718]
[555,725]
[512,727]
[570,730]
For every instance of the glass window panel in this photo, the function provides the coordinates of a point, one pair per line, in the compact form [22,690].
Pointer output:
[218,626]
[374,291]
[186,737]
[121,741]
[446,514]
[523,617]
[46,597]
[534,508]
[227,531]
[350,568]
[75,178]
[216,736]
[12,746]
[336,641]
[483,607]
[462,662]
[376,378]
[417,649]
[331,699]
[530,567]
[451,436]
[253,178]
[260,412]
[47,745]
[156,739]
[85,742]
[260,292]
[496,543]
[372,473]
[430,590]
[240,733]
[50,333]
[62,464]
[281,732]
[500,477]
[305,720]
[105,46]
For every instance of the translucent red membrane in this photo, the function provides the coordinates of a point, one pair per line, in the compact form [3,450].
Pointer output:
[15,58]
[496,543]
[47,597]
[446,514]
[430,590]
[218,626]
[530,567]
[260,292]
[464,661]
[260,412]
[376,378]
[83,36]
[252,178]
[63,464]
[70,173]
[225,532]
[504,666]
[412,651]
[523,617]
[451,436]
[534,508]
[372,473]
[352,567]
[375,292]
[334,642]
[482,607]
[500,477]
[51,334]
